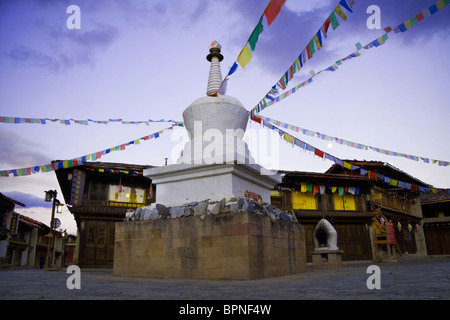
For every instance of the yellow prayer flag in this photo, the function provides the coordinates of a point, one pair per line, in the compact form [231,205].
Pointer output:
[298,64]
[393,182]
[65,164]
[288,138]
[347,165]
[303,187]
[245,56]
[316,40]
[407,24]
[339,12]
[440,4]
[333,189]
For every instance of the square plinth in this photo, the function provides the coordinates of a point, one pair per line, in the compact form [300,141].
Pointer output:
[235,246]
[327,259]
[183,183]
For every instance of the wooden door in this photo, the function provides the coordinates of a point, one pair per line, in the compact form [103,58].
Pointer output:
[354,240]
[437,239]
[98,244]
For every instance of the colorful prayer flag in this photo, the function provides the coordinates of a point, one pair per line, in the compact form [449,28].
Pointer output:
[273,9]
[245,56]
[340,12]
[334,22]
[255,35]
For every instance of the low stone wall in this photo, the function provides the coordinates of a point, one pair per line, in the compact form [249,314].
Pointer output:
[241,246]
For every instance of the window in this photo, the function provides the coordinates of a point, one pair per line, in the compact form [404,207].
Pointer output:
[303,201]
[345,202]
[127,194]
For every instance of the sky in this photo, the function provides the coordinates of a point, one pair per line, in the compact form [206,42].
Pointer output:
[138,60]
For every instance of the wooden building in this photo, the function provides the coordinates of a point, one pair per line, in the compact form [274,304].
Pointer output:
[338,198]
[358,207]
[436,222]
[99,194]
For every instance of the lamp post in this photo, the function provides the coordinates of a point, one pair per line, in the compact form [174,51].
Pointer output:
[49,195]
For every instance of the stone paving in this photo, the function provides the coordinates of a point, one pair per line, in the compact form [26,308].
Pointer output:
[418,279]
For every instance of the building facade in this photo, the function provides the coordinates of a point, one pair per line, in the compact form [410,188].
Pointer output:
[436,222]
[99,194]
[360,209]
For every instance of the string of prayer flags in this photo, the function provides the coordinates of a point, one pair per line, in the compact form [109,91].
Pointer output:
[271,11]
[373,44]
[19,120]
[354,168]
[348,143]
[76,161]
[315,42]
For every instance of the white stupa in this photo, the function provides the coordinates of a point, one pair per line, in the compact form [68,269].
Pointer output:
[215,162]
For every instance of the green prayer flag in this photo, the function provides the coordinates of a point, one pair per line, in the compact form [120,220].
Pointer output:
[333,20]
[311,47]
[255,35]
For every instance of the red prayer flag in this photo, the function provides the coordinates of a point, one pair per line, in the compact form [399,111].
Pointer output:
[319,153]
[327,24]
[308,51]
[315,188]
[419,16]
[256,119]
[273,9]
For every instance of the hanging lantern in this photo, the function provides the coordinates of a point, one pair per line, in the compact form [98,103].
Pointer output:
[409,227]
[399,226]
[417,227]
[382,221]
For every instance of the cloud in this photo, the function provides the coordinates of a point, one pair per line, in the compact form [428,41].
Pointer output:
[62,48]
[19,152]
[24,56]
[29,200]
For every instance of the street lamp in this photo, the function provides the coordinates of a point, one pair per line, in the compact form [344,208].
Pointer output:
[49,195]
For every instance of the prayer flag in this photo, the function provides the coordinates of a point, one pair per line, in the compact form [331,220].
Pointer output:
[273,9]
[339,12]
[245,56]
[319,153]
[318,40]
[302,187]
[345,5]
[316,188]
[288,138]
[255,35]
[334,22]
[347,165]
[311,47]
[233,69]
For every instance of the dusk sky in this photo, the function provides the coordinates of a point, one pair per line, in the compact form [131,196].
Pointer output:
[138,60]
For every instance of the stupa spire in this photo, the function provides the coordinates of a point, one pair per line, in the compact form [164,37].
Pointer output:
[215,76]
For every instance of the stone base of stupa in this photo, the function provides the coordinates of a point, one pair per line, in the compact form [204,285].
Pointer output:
[230,246]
